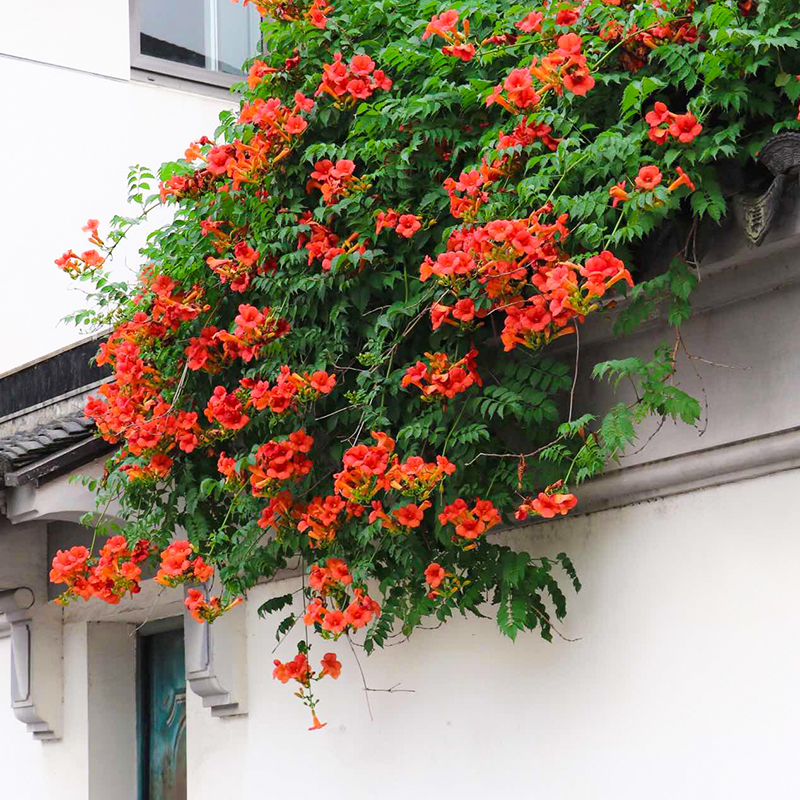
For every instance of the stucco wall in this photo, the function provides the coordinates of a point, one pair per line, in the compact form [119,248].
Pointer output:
[73,123]
[683,683]
[744,366]
[49,769]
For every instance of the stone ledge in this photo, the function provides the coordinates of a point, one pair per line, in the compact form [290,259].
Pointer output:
[700,469]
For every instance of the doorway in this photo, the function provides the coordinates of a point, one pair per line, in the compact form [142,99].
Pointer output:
[162,713]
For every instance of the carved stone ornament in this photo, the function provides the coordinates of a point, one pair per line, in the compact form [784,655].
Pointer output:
[756,213]
[216,661]
[18,624]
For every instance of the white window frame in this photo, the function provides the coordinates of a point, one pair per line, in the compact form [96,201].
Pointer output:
[163,66]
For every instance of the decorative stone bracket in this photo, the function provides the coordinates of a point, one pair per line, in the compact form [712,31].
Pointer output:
[216,661]
[36,662]
[756,213]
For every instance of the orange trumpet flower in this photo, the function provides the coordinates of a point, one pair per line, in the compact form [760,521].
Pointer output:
[682,180]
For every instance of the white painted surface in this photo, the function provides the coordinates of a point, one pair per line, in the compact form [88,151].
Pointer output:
[217,751]
[49,769]
[72,169]
[90,35]
[111,676]
[683,684]
[684,681]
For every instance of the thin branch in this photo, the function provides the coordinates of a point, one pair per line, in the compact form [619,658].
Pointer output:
[649,439]
[575,376]
[152,608]
[702,384]
[515,455]
[390,690]
[557,631]
[363,678]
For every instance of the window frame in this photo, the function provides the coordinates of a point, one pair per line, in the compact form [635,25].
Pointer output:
[162,66]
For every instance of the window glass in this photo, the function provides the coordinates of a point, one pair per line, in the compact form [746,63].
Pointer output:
[210,34]
[174,30]
[239,33]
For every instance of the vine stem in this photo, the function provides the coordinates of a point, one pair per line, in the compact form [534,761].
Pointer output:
[452,430]
[231,507]
[98,524]
[566,172]
[611,235]
[557,631]
[575,374]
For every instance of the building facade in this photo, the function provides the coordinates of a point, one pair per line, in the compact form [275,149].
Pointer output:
[74,65]
[677,673]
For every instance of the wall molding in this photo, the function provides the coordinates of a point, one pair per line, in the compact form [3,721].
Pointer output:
[29,678]
[216,660]
[687,472]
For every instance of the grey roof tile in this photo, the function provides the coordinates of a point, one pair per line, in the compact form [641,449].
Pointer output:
[21,449]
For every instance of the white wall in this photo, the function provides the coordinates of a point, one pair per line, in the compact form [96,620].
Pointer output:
[683,684]
[48,769]
[96,754]
[89,35]
[71,137]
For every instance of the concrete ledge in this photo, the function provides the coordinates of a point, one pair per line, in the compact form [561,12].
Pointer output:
[738,461]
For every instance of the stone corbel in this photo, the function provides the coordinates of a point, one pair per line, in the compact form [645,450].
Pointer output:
[36,662]
[216,661]
[756,213]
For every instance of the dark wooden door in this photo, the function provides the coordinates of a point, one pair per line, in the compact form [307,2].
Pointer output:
[162,717]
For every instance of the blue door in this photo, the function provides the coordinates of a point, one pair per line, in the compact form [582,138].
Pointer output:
[162,717]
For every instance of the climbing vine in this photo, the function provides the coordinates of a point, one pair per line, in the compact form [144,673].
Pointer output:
[337,359]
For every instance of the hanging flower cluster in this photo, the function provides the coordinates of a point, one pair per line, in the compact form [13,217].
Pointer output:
[116,572]
[277,462]
[278,319]
[323,244]
[548,503]
[289,390]
[349,83]
[445,25]
[440,379]
[563,68]
[180,563]
[204,609]
[521,267]
[405,225]
[241,265]
[665,125]
[298,669]
[333,608]
[635,44]
[316,13]
[470,523]
[109,576]
[76,265]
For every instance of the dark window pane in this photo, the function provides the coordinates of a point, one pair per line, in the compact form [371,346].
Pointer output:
[174,30]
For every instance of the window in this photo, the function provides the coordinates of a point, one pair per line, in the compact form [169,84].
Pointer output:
[201,40]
